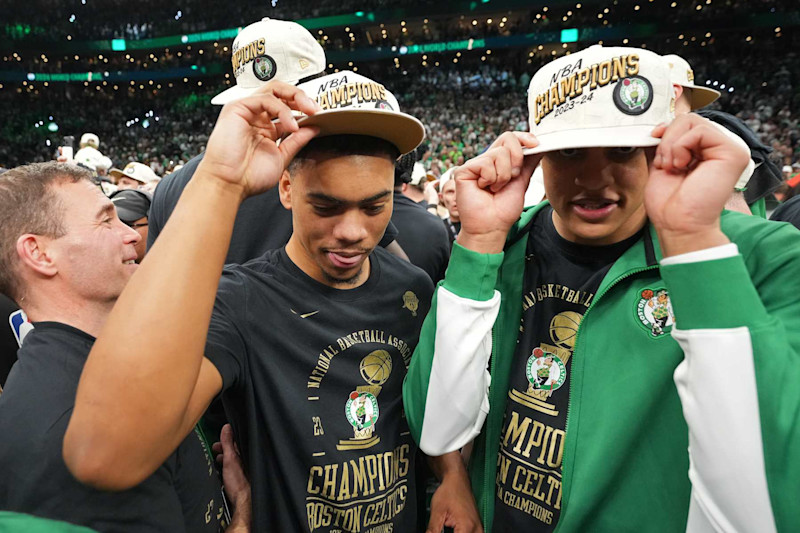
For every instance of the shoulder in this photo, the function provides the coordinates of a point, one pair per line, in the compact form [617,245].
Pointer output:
[170,188]
[788,212]
[762,242]
[400,272]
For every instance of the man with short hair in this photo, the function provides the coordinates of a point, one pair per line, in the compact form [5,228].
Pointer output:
[65,257]
[602,344]
[133,207]
[308,344]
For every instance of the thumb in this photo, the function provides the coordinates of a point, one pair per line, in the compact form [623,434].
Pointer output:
[226,438]
[291,145]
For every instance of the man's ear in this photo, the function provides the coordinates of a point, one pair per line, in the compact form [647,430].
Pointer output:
[404,188]
[678,90]
[285,190]
[32,251]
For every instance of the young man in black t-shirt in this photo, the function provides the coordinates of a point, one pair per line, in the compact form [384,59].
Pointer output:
[308,344]
[66,257]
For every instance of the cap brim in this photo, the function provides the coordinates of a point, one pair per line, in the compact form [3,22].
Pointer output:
[236,93]
[702,96]
[607,137]
[128,215]
[403,131]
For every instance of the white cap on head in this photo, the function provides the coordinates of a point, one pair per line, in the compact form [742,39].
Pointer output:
[352,104]
[138,171]
[418,174]
[444,178]
[271,49]
[89,157]
[90,139]
[681,73]
[600,97]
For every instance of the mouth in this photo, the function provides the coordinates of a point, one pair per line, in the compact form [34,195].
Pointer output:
[129,262]
[594,209]
[345,259]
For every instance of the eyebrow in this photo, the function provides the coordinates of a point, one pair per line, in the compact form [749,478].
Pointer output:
[107,209]
[333,200]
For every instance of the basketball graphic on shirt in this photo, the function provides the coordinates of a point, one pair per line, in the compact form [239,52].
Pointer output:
[376,367]
[564,329]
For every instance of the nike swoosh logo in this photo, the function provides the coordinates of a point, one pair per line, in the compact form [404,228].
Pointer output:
[304,315]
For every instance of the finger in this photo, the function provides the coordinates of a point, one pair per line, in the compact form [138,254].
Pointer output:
[436,522]
[254,106]
[216,447]
[502,167]
[487,174]
[293,96]
[291,145]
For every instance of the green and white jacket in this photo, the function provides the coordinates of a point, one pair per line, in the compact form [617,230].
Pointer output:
[694,431]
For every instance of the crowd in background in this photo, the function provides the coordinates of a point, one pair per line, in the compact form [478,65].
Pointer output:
[464,106]
[152,18]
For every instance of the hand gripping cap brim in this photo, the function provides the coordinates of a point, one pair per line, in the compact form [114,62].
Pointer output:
[355,105]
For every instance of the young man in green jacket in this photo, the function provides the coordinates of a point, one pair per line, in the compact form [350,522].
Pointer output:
[599,347]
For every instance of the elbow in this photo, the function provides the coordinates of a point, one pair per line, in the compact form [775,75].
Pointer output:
[98,466]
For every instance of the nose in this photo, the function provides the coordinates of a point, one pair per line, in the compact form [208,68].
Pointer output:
[351,227]
[130,235]
[596,171]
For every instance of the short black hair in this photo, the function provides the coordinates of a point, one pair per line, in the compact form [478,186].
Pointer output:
[345,145]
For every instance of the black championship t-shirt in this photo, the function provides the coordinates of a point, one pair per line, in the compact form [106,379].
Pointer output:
[183,495]
[561,279]
[313,382]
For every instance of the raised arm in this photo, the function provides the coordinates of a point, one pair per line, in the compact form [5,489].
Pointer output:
[736,321]
[144,388]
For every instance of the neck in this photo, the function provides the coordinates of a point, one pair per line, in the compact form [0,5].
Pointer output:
[88,317]
[414,194]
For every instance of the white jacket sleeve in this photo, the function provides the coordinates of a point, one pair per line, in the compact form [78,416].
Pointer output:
[717,386]
[458,394]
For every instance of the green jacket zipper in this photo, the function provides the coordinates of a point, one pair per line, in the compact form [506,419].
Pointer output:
[565,494]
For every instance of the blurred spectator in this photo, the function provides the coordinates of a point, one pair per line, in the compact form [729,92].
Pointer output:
[133,207]
[134,176]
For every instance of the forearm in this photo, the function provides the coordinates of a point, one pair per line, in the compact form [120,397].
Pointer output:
[144,376]
[448,465]
[446,390]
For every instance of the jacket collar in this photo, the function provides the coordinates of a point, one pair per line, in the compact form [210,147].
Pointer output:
[645,253]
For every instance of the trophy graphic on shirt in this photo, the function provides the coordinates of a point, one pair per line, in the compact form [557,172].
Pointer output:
[546,368]
[361,408]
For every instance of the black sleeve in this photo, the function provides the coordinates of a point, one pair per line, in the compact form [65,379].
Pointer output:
[788,211]
[226,344]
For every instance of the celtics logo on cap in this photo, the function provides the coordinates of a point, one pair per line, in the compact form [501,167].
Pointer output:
[633,95]
[361,411]
[545,371]
[654,311]
[383,104]
[264,67]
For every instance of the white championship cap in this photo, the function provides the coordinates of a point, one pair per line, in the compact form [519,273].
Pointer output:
[418,174]
[356,105]
[88,157]
[138,171]
[90,139]
[600,97]
[681,73]
[271,50]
